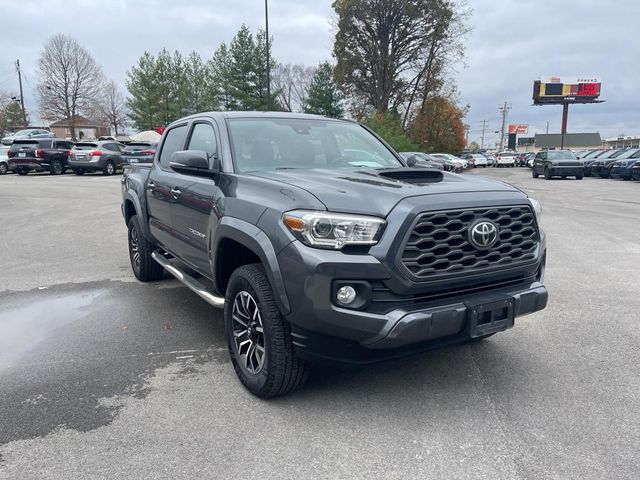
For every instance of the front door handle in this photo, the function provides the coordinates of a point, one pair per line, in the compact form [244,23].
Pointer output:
[175,191]
[151,186]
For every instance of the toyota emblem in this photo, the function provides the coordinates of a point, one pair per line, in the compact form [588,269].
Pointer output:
[484,234]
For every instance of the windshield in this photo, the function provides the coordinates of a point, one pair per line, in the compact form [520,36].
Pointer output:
[281,143]
[560,155]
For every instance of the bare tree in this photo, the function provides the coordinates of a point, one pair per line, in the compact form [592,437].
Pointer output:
[291,84]
[111,108]
[71,80]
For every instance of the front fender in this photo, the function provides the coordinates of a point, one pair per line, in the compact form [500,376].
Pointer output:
[258,242]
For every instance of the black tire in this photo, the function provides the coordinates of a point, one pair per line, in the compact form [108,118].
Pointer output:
[280,371]
[23,171]
[547,174]
[78,171]
[145,268]
[533,173]
[56,168]
[109,168]
[3,168]
[579,176]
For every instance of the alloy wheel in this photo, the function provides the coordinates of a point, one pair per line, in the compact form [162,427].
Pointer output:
[134,248]
[248,332]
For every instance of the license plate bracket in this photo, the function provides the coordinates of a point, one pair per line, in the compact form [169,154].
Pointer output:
[491,317]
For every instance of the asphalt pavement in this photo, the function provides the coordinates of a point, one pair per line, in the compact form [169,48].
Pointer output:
[104,377]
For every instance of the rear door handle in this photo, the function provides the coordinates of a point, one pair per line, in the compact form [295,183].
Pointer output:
[175,191]
[151,186]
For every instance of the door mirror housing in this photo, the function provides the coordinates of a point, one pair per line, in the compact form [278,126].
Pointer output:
[194,162]
[412,160]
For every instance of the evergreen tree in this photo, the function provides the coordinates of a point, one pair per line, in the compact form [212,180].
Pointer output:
[324,97]
[143,101]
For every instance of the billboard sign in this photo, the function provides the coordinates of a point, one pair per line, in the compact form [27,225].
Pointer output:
[518,128]
[558,90]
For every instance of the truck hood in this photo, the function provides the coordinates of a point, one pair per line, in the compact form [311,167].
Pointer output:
[374,192]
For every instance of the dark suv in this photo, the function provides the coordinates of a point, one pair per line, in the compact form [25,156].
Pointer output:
[557,163]
[102,156]
[45,155]
[321,243]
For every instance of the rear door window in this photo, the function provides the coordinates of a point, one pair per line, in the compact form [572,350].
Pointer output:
[173,142]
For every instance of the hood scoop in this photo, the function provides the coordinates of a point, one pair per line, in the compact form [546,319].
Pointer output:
[416,176]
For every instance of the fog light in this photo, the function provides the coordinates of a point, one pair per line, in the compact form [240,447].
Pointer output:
[346,295]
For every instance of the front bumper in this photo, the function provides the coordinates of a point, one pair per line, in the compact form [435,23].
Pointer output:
[322,330]
[566,171]
[621,172]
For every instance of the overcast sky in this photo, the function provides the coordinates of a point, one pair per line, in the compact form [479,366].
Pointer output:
[512,43]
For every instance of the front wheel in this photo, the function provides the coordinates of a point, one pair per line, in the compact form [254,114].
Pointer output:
[258,337]
[144,267]
[3,168]
[580,176]
[23,171]
[547,174]
[533,173]
[78,171]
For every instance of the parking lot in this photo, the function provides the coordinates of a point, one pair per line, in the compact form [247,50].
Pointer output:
[104,377]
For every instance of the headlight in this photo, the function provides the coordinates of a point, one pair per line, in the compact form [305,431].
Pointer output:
[333,230]
[536,206]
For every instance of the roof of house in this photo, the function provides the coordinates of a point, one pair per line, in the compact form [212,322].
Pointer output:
[554,140]
[79,121]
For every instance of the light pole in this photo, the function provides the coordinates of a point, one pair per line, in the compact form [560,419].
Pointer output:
[266,18]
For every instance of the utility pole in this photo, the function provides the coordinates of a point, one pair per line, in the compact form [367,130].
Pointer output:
[504,110]
[24,112]
[466,129]
[484,126]
[266,18]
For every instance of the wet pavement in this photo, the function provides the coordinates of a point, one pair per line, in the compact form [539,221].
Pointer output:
[105,377]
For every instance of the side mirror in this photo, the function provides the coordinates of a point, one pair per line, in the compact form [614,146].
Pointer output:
[412,160]
[193,162]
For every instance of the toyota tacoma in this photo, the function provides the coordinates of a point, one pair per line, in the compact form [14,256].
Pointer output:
[318,254]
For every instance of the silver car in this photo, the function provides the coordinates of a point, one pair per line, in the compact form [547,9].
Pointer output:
[29,133]
[4,160]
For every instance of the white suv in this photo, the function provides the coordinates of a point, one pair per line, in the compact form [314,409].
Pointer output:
[506,159]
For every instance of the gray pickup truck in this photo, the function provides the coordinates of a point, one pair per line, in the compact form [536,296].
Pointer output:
[322,244]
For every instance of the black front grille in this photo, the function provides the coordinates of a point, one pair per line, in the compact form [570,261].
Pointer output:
[439,243]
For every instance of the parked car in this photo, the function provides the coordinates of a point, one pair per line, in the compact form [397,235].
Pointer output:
[506,159]
[27,134]
[314,256]
[623,165]
[589,158]
[424,160]
[600,167]
[491,159]
[4,160]
[557,163]
[103,156]
[138,152]
[44,155]
[446,164]
[635,171]
[451,158]
[480,161]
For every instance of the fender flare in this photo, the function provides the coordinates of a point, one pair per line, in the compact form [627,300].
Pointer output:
[144,225]
[259,243]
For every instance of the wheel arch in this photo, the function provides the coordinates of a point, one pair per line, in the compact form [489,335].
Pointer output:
[238,243]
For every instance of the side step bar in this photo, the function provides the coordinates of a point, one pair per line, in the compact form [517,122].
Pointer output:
[188,280]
